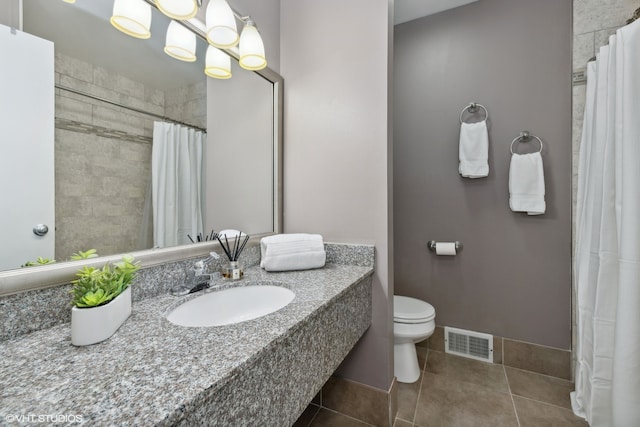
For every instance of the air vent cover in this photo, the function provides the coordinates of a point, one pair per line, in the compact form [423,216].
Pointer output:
[474,345]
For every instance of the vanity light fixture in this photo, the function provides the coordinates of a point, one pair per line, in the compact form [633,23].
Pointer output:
[132,17]
[222,31]
[69,1]
[178,9]
[218,63]
[180,43]
[251,48]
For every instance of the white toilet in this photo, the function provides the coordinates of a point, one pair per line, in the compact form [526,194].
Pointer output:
[413,321]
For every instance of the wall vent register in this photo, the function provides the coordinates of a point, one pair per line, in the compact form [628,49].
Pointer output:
[473,345]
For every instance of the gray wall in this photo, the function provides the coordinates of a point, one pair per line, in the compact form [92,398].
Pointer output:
[337,173]
[513,277]
[10,11]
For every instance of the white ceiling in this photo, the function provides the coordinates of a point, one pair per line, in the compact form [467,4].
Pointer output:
[408,10]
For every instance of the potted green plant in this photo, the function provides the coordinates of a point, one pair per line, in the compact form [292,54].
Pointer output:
[101,300]
[39,261]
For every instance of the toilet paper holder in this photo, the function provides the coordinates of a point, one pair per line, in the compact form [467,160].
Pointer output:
[431,244]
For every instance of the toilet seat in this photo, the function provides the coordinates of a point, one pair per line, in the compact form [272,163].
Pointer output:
[411,310]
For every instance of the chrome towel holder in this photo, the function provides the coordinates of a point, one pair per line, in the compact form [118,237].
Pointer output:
[473,108]
[525,136]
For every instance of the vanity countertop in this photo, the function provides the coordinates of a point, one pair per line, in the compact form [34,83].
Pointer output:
[152,372]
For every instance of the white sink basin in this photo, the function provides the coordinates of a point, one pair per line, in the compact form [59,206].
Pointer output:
[230,306]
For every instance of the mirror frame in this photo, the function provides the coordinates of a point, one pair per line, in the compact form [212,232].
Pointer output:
[46,276]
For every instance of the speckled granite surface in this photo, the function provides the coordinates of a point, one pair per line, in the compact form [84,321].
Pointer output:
[151,372]
[41,309]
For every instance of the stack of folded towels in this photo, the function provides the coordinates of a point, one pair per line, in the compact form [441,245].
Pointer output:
[287,252]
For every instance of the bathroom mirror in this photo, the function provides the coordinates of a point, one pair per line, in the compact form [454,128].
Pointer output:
[110,65]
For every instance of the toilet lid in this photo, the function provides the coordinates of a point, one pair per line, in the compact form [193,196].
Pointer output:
[406,309]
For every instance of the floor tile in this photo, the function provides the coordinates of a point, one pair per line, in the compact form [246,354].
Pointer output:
[536,414]
[401,423]
[408,398]
[327,418]
[445,402]
[307,416]
[468,370]
[540,387]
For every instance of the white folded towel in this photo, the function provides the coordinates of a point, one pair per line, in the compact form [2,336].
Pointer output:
[474,150]
[526,184]
[230,233]
[287,252]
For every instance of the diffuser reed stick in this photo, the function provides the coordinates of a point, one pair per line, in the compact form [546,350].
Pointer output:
[233,252]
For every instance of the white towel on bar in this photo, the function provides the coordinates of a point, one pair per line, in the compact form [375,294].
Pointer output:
[474,150]
[287,252]
[526,184]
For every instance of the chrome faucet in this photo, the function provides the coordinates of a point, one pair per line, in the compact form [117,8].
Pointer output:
[198,280]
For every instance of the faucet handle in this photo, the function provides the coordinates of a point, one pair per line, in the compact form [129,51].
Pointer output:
[199,267]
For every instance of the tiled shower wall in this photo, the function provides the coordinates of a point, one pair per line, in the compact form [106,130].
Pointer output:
[102,183]
[188,104]
[593,22]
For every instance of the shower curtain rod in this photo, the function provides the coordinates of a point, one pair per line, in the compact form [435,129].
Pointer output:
[148,113]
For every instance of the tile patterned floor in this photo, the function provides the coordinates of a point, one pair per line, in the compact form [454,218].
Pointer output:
[457,392]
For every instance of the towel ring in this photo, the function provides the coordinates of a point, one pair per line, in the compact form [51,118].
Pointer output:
[473,107]
[524,137]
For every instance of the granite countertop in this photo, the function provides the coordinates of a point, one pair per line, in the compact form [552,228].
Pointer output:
[151,369]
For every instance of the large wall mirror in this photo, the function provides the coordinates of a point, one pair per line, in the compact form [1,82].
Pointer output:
[111,90]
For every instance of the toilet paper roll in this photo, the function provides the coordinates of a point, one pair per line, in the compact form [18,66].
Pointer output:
[445,248]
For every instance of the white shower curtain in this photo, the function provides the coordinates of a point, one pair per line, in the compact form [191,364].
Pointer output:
[177,175]
[607,258]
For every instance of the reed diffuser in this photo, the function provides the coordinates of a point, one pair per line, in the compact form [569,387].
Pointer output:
[233,250]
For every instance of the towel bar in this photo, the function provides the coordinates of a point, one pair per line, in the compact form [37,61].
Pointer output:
[472,108]
[524,137]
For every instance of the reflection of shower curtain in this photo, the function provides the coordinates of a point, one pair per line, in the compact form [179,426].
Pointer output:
[177,169]
[607,258]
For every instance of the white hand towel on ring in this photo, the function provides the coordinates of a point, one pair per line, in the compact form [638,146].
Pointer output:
[526,184]
[474,150]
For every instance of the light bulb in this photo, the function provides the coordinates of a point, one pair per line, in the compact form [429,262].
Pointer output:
[222,31]
[180,43]
[132,17]
[251,48]
[178,9]
[218,64]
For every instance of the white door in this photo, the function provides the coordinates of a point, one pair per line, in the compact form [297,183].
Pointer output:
[26,147]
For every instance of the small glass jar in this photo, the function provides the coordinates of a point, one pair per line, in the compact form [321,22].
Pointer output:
[232,271]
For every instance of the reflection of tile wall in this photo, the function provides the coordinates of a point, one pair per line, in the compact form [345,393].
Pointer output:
[188,104]
[101,183]
[593,22]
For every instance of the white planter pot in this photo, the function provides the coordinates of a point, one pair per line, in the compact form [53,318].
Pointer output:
[96,324]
